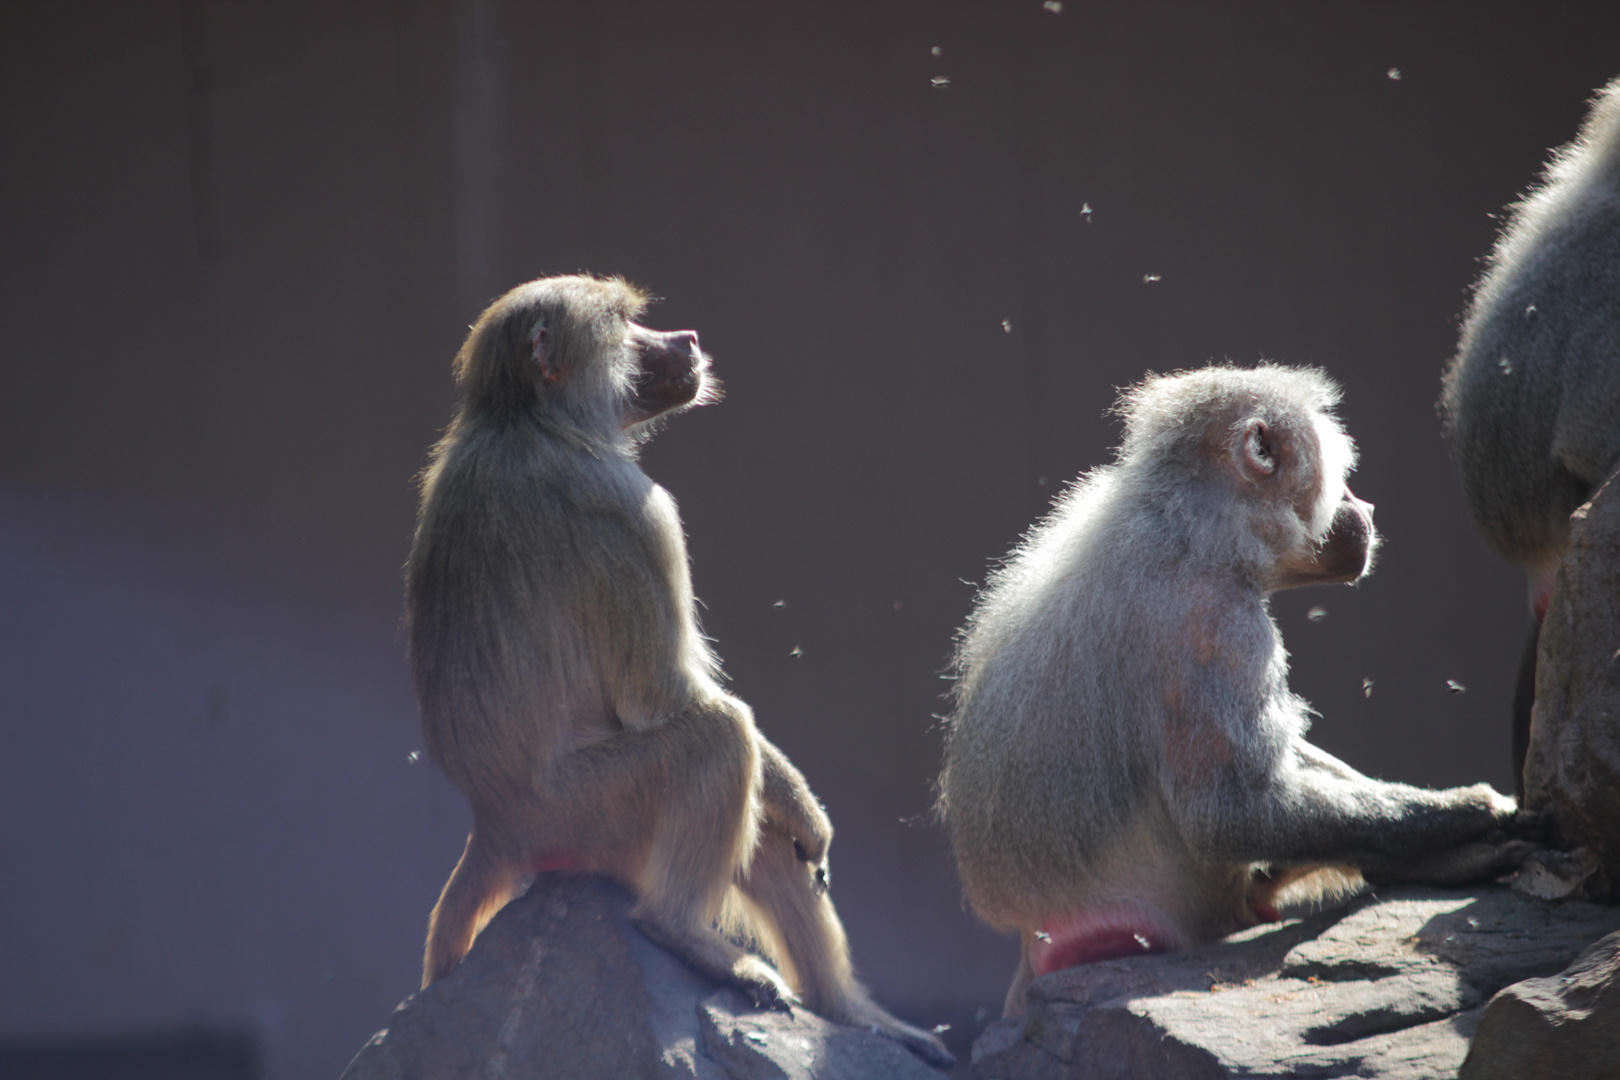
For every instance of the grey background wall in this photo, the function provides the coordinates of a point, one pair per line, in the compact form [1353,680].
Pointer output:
[239,243]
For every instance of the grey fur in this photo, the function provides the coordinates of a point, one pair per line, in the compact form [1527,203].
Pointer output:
[1123,731]
[1531,402]
[564,683]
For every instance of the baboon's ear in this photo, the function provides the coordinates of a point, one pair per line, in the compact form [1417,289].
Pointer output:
[1259,449]
[540,343]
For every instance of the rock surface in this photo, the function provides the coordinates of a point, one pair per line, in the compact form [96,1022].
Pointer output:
[1389,986]
[1573,765]
[1566,1027]
[561,984]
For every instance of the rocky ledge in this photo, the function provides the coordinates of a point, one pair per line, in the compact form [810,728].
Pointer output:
[562,984]
[1391,986]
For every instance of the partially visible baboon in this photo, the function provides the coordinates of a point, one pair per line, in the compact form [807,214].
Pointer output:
[564,684]
[1531,403]
[1126,769]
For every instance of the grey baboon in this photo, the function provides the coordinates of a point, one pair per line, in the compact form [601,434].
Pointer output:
[1126,769]
[564,684]
[1531,403]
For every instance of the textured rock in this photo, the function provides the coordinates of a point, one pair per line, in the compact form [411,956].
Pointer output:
[1573,765]
[1556,875]
[1390,986]
[561,984]
[1566,1027]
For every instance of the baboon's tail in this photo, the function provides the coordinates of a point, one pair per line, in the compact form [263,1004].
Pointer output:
[479,886]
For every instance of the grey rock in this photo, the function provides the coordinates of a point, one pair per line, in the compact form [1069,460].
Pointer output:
[1389,986]
[562,984]
[1566,1027]
[1556,875]
[1573,765]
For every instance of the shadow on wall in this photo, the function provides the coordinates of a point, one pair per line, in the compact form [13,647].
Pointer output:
[200,1054]
[208,782]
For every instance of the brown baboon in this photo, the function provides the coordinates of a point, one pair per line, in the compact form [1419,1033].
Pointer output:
[563,681]
[1531,403]
[1126,769]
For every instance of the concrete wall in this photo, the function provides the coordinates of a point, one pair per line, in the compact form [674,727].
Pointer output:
[239,243]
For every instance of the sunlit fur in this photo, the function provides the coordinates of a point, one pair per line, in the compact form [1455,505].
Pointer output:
[1531,401]
[1124,738]
[565,686]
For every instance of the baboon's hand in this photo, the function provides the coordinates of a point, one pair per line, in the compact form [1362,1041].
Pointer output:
[762,984]
[1534,825]
[1497,810]
[1506,806]
[720,959]
[1463,864]
[1507,858]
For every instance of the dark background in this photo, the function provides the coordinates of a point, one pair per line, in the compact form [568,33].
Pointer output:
[239,243]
